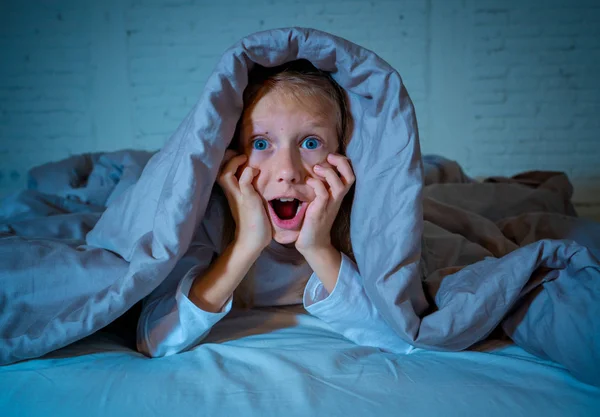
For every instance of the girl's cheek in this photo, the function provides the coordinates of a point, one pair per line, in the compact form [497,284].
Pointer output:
[255,159]
[315,158]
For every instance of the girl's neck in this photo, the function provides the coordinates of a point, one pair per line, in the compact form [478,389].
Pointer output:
[287,251]
[281,246]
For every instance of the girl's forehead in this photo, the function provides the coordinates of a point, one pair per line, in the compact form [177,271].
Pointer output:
[302,107]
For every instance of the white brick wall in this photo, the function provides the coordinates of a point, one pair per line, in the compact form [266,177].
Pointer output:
[502,86]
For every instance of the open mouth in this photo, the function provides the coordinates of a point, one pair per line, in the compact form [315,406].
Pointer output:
[287,213]
[286,208]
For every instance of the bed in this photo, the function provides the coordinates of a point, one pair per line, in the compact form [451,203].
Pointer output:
[276,361]
[459,268]
[282,362]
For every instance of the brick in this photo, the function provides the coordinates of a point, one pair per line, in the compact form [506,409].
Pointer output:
[488,124]
[490,17]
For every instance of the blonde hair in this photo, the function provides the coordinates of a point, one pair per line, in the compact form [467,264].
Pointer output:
[301,80]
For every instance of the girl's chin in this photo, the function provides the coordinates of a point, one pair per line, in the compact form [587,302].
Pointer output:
[285,237]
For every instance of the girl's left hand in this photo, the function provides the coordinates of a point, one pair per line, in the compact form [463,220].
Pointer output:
[322,211]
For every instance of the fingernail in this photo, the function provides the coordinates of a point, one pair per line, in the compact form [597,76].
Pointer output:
[318,167]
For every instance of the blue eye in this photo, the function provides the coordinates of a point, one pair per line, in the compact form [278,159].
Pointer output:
[311,143]
[260,144]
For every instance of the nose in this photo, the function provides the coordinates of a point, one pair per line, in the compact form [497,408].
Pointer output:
[289,167]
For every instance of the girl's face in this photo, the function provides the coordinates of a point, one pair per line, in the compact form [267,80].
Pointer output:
[284,138]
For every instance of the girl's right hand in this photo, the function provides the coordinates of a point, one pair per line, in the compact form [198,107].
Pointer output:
[253,228]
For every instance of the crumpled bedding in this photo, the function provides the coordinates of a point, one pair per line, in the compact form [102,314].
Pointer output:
[446,263]
[284,362]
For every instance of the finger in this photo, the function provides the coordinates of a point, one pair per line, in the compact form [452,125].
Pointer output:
[228,182]
[246,179]
[337,187]
[342,164]
[321,195]
[229,154]
[234,163]
[227,178]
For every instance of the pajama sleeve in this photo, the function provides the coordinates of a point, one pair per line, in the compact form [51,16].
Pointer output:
[170,323]
[350,312]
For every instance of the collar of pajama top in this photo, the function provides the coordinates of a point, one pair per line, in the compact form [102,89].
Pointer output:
[279,276]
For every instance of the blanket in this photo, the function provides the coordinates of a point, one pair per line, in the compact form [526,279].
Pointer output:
[445,263]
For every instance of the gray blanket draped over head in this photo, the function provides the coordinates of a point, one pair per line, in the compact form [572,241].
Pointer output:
[468,279]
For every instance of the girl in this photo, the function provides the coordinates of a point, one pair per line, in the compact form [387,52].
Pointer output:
[288,188]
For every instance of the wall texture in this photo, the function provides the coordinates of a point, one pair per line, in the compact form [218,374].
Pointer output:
[501,86]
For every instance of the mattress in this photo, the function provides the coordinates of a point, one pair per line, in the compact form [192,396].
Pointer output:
[281,361]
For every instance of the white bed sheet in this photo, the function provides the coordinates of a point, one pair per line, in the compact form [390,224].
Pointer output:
[280,362]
